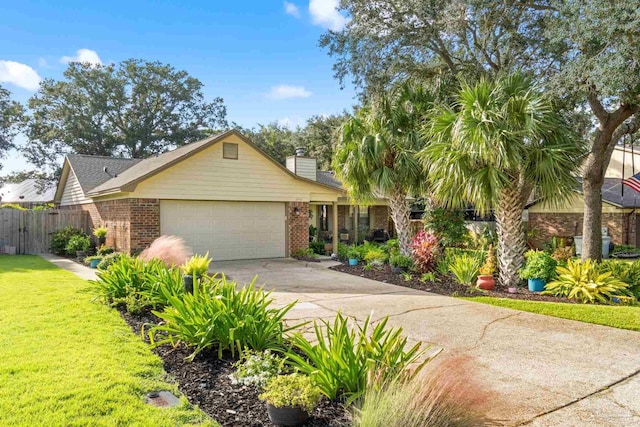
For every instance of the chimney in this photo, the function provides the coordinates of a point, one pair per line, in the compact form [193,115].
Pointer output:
[302,165]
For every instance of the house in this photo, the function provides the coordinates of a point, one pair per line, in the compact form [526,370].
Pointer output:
[28,193]
[620,217]
[222,195]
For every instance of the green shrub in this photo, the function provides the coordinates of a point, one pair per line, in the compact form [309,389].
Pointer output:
[582,281]
[303,253]
[628,272]
[197,265]
[392,247]
[292,390]
[317,247]
[465,268]
[100,232]
[78,243]
[256,368]
[342,251]
[344,356]
[109,259]
[375,255]
[401,261]
[87,260]
[447,225]
[60,239]
[105,250]
[625,249]
[451,253]
[354,253]
[539,265]
[218,315]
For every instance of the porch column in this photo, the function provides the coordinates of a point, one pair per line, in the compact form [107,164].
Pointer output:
[336,232]
[356,214]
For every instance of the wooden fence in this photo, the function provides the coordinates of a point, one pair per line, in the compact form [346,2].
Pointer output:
[29,232]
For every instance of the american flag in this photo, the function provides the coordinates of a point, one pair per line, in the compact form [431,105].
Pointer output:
[633,182]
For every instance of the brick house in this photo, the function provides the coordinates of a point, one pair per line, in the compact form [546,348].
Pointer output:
[222,195]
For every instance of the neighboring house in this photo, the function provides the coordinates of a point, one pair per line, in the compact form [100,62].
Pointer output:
[28,193]
[620,217]
[222,195]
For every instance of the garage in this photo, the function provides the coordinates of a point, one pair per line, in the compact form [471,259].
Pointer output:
[227,230]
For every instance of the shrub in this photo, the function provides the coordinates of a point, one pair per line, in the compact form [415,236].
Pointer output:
[392,247]
[450,255]
[354,253]
[401,261]
[375,256]
[109,259]
[100,232]
[539,265]
[489,265]
[217,315]
[424,251]
[78,243]
[562,255]
[465,269]
[60,239]
[197,265]
[256,368]
[625,249]
[317,247]
[447,225]
[582,281]
[105,250]
[87,260]
[447,394]
[292,390]
[342,251]
[169,249]
[345,355]
[303,253]
[629,273]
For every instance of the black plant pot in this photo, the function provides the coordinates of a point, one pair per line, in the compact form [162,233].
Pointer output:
[398,270]
[287,416]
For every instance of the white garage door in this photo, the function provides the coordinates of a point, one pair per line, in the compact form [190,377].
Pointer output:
[227,230]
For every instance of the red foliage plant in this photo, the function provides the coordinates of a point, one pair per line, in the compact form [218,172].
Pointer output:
[425,249]
[169,249]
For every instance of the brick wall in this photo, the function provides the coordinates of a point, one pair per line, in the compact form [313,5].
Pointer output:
[621,226]
[380,218]
[144,222]
[298,226]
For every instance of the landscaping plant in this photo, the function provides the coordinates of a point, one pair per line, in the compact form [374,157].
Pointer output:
[539,265]
[105,250]
[628,272]
[60,239]
[583,282]
[197,265]
[447,394]
[354,253]
[220,316]
[256,368]
[78,243]
[447,224]
[392,247]
[317,247]
[100,232]
[303,253]
[424,251]
[465,268]
[341,357]
[108,260]
[291,391]
[375,256]
[401,261]
[171,250]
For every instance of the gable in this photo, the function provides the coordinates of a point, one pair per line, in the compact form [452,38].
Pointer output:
[207,175]
[71,193]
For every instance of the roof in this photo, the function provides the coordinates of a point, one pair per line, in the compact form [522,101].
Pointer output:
[327,178]
[143,169]
[90,170]
[612,194]
[28,191]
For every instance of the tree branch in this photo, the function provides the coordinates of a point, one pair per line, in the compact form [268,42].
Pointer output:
[627,128]
[596,106]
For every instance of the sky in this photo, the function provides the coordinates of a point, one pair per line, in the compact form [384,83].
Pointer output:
[261,56]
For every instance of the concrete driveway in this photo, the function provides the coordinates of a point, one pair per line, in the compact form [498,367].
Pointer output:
[546,371]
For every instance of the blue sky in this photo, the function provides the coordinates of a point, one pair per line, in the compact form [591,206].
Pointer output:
[262,57]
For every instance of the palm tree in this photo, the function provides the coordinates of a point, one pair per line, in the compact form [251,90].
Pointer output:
[499,142]
[376,153]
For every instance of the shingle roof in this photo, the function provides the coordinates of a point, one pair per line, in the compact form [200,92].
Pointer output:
[327,178]
[27,191]
[612,193]
[89,170]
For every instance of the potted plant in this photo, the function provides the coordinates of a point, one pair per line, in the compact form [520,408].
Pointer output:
[400,263]
[486,280]
[93,261]
[101,234]
[290,399]
[538,270]
[78,245]
[353,254]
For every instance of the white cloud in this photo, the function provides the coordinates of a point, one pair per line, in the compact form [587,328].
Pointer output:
[288,92]
[18,74]
[291,9]
[325,13]
[83,55]
[43,63]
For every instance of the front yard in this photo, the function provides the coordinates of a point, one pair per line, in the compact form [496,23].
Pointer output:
[65,361]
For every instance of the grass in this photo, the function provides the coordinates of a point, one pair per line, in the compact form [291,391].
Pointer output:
[622,317]
[67,361]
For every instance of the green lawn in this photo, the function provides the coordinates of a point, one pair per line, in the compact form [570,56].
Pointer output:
[66,361]
[623,317]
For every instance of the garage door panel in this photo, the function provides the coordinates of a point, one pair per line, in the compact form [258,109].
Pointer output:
[227,230]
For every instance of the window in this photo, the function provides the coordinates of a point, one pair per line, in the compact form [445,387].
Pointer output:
[363,216]
[230,151]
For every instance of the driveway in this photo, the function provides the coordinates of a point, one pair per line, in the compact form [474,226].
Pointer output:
[546,371]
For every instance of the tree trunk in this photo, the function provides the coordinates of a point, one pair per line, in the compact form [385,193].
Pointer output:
[592,221]
[512,242]
[401,215]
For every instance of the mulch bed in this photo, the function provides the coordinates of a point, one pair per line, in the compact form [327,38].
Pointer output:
[443,285]
[206,383]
